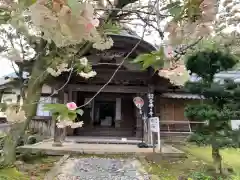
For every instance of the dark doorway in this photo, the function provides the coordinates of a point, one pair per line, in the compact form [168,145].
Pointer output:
[105,113]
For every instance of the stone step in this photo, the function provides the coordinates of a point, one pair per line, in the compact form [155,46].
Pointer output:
[105,132]
[94,140]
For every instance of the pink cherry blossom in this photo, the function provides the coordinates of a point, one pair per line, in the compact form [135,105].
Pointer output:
[71,106]
[168,52]
[95,22]
[89,27]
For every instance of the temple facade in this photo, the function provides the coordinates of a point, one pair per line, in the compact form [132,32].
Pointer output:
[109,110]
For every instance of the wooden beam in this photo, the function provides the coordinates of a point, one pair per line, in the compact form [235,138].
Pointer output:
[109,88]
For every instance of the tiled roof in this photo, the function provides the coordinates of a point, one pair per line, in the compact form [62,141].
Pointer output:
[220,77]
[181,96]
[8,78]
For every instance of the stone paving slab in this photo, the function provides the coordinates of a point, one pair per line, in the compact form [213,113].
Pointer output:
[77,148]
[93,168]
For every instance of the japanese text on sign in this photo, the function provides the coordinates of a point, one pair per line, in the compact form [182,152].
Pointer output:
[154,124]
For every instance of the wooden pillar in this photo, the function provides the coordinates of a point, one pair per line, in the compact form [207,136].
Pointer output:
[118,115]
[57,140]
[138,124]
[139,127]
[145,113]
[72,95]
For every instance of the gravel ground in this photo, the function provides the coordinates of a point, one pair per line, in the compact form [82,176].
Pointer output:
[102,169]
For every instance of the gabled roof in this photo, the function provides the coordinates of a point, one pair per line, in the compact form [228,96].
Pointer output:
[9,77]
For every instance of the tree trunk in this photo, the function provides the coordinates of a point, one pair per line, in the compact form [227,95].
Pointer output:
[10,142]
[34,90]
[30,106]
[57,136]
[217,159]
[9,151]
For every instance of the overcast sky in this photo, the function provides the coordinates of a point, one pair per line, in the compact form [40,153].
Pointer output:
[151,36]
[5,67]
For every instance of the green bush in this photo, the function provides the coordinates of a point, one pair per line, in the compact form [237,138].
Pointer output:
[231,140]
[235,177]
[236,138]
[200,176]
[20,142]
[28,157]
[1,142]
[199,139]
[31,140]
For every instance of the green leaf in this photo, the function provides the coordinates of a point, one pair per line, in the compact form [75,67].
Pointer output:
[3,107]
[74,5]
[171,5]
[150,59]
[72,115]
[175,9]
[55,107]
[111,28]
[140,58]
[158,64]
[154,59]
[27,3]
[80,112]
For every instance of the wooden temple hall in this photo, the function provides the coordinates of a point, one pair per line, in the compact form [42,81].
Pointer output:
[112,112]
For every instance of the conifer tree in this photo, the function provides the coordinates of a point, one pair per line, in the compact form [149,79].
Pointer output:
[221,99]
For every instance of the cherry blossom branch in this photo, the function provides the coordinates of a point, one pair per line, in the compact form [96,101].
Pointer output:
[182,51]
[110,2]
[57,90]
[115,72]
[131,11]
[68,79]
[117,69]
[13,46]
[81,52]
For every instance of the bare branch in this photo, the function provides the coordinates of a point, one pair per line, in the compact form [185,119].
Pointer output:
[117,69]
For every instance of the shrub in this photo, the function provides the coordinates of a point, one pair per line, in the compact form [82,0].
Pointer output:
[236,138]
[231,140]
[20,142]
[200,176]
[31,140]
[199,139]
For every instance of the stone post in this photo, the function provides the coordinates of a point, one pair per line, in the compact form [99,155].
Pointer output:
[57,141]
[58,133]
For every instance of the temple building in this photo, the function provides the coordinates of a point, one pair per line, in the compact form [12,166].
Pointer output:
[112,112]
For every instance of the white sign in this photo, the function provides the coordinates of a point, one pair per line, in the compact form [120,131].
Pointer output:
[154,124]
[139,102]
[235,124]
[155,128]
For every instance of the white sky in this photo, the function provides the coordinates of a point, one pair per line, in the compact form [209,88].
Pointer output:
[5,67]
[152,37]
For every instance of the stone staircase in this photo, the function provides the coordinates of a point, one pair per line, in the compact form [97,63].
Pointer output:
[105,131]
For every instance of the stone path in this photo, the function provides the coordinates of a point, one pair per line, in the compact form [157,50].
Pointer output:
[94,168]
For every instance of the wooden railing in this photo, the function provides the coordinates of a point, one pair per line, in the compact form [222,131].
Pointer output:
[186,127]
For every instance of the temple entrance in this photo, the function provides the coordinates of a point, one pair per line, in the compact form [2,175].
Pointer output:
[104,113]
[109,114]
